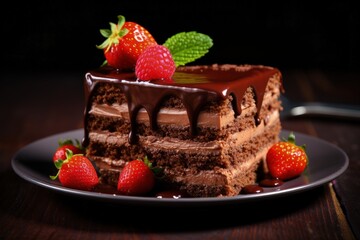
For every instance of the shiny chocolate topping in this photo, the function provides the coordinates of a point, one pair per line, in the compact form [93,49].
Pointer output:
[195,86]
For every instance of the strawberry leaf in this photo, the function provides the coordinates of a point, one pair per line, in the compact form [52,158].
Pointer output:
[58,165]
[291,138]
[63,142]
[105,32]
[158,172]
[186,47]
[113,34]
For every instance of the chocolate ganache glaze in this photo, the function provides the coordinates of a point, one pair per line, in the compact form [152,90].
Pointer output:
[194,85]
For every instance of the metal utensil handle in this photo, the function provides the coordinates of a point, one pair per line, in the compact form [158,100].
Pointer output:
[328,110]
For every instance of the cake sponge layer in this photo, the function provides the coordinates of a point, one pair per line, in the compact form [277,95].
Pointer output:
[209,138]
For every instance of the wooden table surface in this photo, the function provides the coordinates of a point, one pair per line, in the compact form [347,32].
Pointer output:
[34,106]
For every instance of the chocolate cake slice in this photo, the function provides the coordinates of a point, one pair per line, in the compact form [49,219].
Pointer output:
[209,128]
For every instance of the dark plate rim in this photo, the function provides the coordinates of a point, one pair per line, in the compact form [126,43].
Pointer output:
[334,163]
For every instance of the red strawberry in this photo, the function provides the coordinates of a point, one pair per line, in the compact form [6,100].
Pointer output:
[76,171]
[124,43]
[136,178]
[286,160]
[60,152]
[154,63]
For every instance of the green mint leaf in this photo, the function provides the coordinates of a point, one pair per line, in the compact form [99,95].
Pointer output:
[186,47]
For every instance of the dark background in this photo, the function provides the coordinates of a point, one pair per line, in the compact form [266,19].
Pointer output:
[61,35]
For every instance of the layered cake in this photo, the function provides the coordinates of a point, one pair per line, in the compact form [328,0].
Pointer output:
[208,127]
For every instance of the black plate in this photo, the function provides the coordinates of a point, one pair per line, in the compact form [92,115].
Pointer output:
[326,162]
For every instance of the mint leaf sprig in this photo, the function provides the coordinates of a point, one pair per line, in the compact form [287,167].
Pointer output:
[186,47]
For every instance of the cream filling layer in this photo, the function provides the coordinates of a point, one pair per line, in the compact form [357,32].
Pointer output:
[176,116]
[173,144]
[165,115]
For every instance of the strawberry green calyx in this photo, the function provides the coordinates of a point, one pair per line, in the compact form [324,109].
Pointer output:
[58,164]
[186,47]
[64,142]
[147,162]
[291,139]
[113,34]
[156,170]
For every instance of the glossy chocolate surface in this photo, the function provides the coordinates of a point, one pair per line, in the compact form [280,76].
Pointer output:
[195,86]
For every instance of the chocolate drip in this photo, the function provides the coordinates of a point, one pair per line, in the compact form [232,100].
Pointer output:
[195,86]
[150,96]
